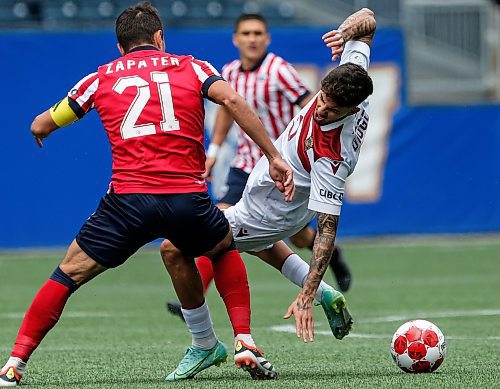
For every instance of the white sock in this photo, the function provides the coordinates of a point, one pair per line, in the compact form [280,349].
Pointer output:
[296,270]
[245,338]
[200,326]
[17,363]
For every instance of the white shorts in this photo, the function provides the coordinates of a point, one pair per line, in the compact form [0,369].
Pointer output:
[252,234]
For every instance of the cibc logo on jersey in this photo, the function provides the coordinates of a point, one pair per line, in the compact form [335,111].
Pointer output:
[331,195]
[360,130]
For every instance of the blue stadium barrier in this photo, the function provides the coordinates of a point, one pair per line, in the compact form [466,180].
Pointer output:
[441,173]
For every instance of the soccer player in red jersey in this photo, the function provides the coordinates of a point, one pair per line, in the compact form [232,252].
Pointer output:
[151,106]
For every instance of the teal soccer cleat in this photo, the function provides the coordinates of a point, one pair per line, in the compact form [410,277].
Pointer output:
[197,359]
[336,311]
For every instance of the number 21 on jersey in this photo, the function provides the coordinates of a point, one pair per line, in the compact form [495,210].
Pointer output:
[129,128]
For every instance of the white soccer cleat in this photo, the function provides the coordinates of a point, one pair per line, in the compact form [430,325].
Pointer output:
[250,359]
[9,376]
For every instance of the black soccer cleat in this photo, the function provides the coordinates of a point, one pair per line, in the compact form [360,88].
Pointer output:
[340,270]
[175,309]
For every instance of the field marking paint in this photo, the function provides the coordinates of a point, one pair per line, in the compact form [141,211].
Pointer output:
[288,328]
[445,314]
[75,314]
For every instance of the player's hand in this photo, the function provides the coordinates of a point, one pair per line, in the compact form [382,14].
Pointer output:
[39,139]
[335,41]
[282,175]
[301,309]
[209,164]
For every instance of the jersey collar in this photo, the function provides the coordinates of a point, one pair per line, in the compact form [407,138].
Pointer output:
[143,47]
[257,65]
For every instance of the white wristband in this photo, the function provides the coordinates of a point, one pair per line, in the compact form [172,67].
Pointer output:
[212,150]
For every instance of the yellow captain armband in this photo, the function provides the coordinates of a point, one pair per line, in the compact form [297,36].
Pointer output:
[62,114]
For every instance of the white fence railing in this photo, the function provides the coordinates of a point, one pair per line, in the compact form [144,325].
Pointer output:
[449,55]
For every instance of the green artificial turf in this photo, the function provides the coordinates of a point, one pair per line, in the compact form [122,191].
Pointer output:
[116,333]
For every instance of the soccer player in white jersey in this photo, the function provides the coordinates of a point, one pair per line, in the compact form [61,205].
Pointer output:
[322,145]
[272,87]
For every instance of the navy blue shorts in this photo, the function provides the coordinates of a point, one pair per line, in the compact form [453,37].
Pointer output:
[123,223]
[236,181]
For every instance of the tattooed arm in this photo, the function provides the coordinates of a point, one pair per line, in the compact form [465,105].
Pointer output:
[322,252]
[360,26]
[301,308]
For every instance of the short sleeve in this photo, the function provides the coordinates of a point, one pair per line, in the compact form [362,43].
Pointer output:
[81,96]
[290,84]
[225,72]
[356,52]
[327,185]
[206,73]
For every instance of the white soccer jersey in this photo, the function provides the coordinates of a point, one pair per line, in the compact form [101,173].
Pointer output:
[322,157]
[271,89]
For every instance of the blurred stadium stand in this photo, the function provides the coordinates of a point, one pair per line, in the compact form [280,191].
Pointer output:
[452,45]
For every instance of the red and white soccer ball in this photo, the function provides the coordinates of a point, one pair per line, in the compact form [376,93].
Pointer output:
[418,346]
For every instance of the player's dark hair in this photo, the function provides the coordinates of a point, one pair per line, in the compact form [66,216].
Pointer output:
[348,85]
[137,24]
[245,17]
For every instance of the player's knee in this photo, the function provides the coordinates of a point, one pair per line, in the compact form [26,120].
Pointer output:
[168,252]
[165,247]
[298,241]
[79,266]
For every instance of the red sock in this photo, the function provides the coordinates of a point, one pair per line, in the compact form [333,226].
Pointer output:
[41,316]
[204,265]
[231,280]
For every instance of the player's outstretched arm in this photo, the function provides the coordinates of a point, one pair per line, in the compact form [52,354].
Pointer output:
[222,125]
[42,127]
[222,93]
[359,26]
[59,115]
[324,242]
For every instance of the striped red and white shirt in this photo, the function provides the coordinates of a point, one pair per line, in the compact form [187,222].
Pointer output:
[271,89]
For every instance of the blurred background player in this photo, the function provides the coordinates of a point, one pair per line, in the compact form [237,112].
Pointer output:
[151,105]
[322,145]
[272,87]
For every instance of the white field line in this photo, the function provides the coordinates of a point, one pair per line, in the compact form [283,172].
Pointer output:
[421,315]
[396,318]
[288,328]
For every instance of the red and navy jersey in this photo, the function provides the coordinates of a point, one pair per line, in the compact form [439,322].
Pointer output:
[151,105]
[271,89]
